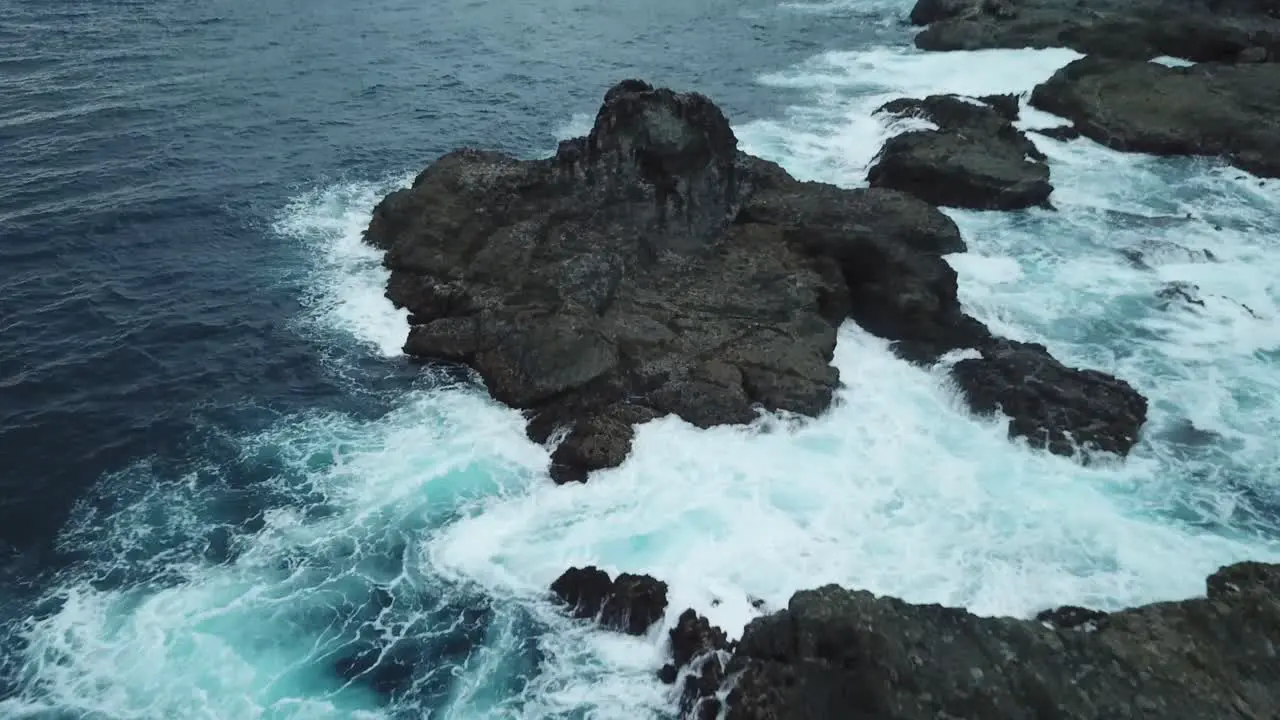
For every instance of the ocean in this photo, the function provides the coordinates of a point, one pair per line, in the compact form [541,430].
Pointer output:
[225,494]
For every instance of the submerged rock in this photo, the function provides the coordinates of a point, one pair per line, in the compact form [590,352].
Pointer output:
[843,653]
[1179,291]
[651,268]
[1228,111]
[630,604]
[609,284]
[975,158]
[1199,30]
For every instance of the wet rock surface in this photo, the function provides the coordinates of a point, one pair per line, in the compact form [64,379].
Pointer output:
[837,653]
[1072,617]
[975,158]
[1179,292]
[651,268]
[630,604]
[1244,31]
[1052,406]
[609,284]
[701,649]
[1183,294]
[1227,111]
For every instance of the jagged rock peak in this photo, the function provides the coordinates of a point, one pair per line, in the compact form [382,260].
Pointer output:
[664,132]
[674,149]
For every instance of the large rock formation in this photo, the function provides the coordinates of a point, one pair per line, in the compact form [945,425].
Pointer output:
[1232,111]
[652,268]
[836,653]
[975,158]
[1199,30]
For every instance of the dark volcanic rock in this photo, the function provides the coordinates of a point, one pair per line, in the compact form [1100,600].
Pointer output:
[651,268]
[1051,405]
[1180,291]
[699,646]
[1007,105]
[837,653]
[629,604]
[888,249]
[1199,30]
[608,285]
[1061,132]
[976,158]
[598,441]
[694,636]
[1232,111]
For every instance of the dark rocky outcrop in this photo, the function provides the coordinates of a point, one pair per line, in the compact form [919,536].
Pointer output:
[694,636]
[651,268]
[1053,406]
[1230,111]
[975,158]
[836,653]
[702,649]
[1246,31]
[630,604]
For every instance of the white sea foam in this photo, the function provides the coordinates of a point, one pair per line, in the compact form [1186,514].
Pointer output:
[347,291]
[897,489]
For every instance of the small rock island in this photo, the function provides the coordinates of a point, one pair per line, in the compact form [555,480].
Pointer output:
[653,268]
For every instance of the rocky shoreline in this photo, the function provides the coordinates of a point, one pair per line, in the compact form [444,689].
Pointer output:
[839,653]
[653,268]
